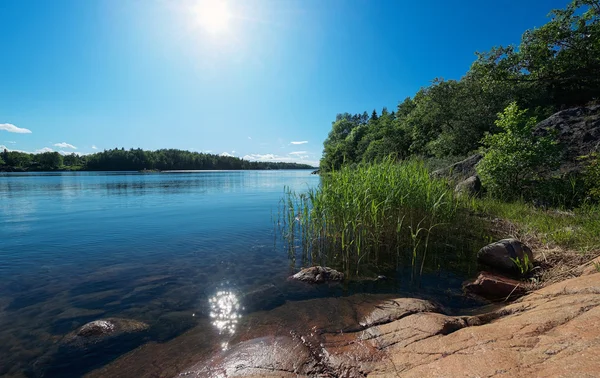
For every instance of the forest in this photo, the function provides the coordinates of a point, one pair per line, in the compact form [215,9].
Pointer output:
[554,67]
[133,160]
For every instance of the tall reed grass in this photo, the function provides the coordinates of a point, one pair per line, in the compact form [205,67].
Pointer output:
[371,214]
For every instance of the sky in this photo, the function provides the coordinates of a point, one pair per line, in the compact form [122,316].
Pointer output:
[259,79]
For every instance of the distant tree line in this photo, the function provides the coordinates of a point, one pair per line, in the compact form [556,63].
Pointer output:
[133,160]
[555,66]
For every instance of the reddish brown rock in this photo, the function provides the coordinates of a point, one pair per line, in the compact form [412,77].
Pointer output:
[495,287]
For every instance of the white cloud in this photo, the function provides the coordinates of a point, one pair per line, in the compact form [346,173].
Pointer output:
[298,153]
[42,150]
[94,147]
[13,129]
[283,159]
[300,142]
[226,154]
[72,153]
[10,141]
[65,145]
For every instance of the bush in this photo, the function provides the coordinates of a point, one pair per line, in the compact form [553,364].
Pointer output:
[514,159]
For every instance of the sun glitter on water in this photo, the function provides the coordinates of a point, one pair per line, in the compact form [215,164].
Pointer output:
[213,15]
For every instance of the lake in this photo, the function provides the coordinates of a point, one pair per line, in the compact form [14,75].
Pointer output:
[160,249]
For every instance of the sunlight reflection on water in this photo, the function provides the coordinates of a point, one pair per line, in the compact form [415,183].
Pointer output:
[225,313]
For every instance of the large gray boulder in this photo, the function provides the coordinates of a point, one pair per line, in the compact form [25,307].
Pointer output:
[577,130]
[318,274]
[470,187]
[459,171]
[502,254]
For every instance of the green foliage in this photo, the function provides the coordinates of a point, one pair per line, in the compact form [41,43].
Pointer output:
[361,214]
[514,157]
[523,264]
[578,229]
[556,65]
[592,176]
[138,159]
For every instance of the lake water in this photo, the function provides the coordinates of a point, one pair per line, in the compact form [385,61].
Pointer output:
[156,248]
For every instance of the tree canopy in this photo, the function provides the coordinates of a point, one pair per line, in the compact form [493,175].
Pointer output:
[554,67]
[135,159]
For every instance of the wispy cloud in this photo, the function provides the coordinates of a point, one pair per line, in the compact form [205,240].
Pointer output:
[94,147]
[65,145]
[13,129]
[300,142]
[278,158]
[298,153]
[10,141]
[250,138]
[226,154]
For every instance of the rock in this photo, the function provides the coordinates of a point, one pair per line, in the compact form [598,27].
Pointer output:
[96,328]
[591,267]
[552,332]
[495,287]
[470,187]
[459,171]
[102,330]
[498,256]
[318,274]
[577,130]
[396,309]
[265,297]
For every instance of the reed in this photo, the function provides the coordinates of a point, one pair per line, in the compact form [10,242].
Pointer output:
[371,214]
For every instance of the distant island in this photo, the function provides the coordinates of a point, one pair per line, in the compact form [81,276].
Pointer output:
[133,160]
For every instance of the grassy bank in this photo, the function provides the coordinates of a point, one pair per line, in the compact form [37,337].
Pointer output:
[370,216]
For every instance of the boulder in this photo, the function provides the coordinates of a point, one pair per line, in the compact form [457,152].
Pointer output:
[96,328]
[318,274]
[501,255]
[470,187]
[495,287]
[103,330]
[459,171]
[577,130]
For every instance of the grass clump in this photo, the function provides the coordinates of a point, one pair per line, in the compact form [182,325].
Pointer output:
[372,214]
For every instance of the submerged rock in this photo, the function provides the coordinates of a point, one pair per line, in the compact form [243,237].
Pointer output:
[318,274]
[495,287]
[502,255]
[102,331]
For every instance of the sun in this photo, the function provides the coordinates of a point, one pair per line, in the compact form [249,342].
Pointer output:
[213,15]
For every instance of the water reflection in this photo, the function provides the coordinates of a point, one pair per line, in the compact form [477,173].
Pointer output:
[225,313]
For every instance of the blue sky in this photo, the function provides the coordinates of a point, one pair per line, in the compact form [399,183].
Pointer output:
[88,75]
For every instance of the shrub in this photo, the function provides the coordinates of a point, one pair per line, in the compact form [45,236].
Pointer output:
[514,158]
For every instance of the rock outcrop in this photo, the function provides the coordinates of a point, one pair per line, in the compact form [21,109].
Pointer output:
[502,255]
[553,332]
[318,274]
[577,130]
[459,171]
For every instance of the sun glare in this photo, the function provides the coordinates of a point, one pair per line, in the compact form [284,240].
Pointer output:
[213,15]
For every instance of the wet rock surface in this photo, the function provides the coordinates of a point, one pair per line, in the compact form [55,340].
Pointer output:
[495,287]
[318,274]
[501,255]
[552,332]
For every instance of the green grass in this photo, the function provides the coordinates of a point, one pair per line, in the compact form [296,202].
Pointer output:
[374,214]
[577,229]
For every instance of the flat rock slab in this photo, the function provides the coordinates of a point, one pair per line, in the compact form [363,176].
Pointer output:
[495,287]
[553,332]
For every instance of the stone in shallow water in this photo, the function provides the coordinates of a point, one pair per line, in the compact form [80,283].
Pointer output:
[318,274]
[96,328]
[495,287]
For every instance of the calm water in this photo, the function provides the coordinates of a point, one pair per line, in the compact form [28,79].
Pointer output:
[156,248]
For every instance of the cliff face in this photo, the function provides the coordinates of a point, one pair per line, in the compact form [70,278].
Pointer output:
[578,132]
